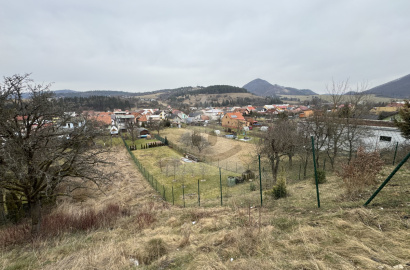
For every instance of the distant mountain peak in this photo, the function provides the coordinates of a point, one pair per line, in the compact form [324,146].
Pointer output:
[262,87]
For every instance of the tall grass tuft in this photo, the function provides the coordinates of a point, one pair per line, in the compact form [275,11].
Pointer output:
[154,249]
[58,223]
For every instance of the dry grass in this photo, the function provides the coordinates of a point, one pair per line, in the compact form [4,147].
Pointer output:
[227,151]
[302,98]
[290,233]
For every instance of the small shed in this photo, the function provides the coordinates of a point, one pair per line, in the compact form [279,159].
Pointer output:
[114,130]
[142,132]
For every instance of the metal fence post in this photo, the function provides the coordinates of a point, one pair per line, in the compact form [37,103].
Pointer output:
[395,152]
[387,179]
[314,165]
[260,178]
[199,195]
[183,194]
[172,194]
[220,183]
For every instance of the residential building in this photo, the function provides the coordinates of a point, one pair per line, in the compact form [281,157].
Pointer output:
[233,120]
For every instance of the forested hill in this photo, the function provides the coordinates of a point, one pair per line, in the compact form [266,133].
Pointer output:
[213,89]
[220,89]
[264,88]
[97,103]
[399,88]
[112,93]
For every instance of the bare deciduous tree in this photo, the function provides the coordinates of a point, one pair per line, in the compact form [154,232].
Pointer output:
[280,140]
[194,140]
[131,129]
[44,148]
[341,128]
[199,141]
[336,90]
[315,126]
[357,109]
[156,125]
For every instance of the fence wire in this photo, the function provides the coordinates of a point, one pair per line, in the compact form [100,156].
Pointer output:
[201,184]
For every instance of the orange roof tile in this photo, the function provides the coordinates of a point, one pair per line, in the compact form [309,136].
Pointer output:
[235,115]
[143,118]
[105,118]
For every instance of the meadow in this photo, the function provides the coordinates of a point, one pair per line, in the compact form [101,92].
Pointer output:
[147,232]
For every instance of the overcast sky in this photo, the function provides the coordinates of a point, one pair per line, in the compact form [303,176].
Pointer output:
[150,45]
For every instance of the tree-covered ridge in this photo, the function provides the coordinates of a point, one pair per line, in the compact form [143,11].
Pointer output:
[399,88]
[221,89]
[60,93]
[213,89]
[97,103]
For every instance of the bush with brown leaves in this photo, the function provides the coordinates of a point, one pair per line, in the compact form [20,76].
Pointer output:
[361,172]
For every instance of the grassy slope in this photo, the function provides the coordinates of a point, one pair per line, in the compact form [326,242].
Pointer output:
[290,233]
[302,98]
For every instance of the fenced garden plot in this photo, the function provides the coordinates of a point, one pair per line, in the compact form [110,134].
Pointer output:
[241,157]
[237,157]
[186,183]
[253,135]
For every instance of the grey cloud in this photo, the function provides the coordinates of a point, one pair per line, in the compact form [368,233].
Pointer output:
[138,46]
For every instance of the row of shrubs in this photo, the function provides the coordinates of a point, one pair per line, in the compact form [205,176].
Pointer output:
[133,147]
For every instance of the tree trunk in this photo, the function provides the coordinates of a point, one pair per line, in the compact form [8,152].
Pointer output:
[305,166]
[2,210]
[277,160]
[290,160]
[272,164]
[350,151]
[35,212]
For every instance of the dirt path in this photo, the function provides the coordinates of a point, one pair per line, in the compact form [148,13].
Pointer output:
[129,188]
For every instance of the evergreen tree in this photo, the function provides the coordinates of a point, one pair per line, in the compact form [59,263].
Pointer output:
[404,123]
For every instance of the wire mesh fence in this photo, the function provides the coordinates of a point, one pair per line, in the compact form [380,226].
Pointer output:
[208,182]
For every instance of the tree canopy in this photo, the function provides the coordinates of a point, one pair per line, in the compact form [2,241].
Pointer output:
[98,103]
